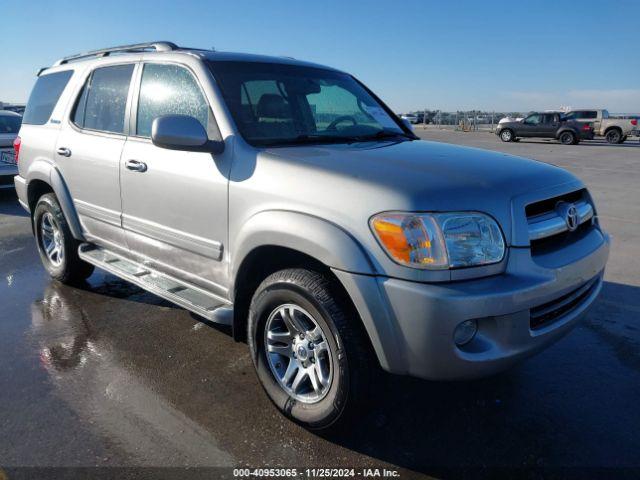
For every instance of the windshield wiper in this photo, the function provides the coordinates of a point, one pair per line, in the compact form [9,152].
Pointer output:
[383,134]
[317,138]
[308,139]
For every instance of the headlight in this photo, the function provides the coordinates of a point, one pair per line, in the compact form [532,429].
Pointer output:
[439,240]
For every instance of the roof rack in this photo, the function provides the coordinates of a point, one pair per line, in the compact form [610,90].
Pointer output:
[136,47]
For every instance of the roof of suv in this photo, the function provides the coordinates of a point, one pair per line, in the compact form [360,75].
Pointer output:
[163,48]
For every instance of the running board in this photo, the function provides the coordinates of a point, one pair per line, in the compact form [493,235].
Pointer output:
[194,299]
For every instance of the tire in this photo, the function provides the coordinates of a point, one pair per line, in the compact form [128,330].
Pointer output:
[506,135]
[53,234]
[613,136]
[568,138]
[347,363]
[623,139]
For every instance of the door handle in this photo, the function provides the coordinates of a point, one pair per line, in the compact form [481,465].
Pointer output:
[136,166]
[65,152]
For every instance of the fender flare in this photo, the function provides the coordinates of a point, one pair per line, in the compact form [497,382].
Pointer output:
[567,129]
[49,174]
[321,239]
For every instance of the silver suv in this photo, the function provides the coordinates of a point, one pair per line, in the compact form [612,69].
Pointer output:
[285,199]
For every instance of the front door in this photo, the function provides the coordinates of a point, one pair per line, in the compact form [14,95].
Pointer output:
[88,153]
[174,203]
[530,126]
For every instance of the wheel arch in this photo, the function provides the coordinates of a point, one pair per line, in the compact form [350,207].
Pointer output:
[43,177]
[566,129]
[264,246]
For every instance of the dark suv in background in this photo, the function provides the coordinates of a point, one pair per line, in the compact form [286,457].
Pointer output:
[545,125]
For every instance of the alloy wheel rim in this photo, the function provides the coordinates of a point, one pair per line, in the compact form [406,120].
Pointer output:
[506,135]
[52,243]
[298,353]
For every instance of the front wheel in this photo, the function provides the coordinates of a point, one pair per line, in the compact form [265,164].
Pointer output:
[568,138]
[506,135]
[307,348]
[57,248]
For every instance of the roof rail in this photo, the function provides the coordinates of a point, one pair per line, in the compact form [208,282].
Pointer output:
[136,47]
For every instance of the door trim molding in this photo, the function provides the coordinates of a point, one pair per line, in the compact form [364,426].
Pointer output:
[201,246]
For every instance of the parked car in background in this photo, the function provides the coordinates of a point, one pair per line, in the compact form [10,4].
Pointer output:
[509,118]
[9,128]
[11,107]
[545,125]
[410,117]
[615,130]
[286,200]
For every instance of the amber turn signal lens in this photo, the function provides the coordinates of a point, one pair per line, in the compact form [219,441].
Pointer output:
[391,235]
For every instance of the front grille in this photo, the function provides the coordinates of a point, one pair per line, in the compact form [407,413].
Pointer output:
[549,205]
[548,221]
[545,314]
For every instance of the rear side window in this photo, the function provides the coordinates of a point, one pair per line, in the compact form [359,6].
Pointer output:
[102,103]
[168,90]
[44,96]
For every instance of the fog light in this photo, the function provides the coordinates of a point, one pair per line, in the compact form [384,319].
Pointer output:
[465,332]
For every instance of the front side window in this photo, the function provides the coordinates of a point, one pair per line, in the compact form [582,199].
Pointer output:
[276,104]
[168,90]
[534,119]
[44,96]
[102,103]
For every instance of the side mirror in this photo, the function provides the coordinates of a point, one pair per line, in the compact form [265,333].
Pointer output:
[182,132]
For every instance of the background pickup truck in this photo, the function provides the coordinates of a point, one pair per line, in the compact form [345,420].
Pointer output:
[545,125]
[615,130]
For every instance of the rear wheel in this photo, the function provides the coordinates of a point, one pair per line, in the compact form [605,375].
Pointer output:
[506,135]
[309,353]
[568,138]
[57,248]
[614,136]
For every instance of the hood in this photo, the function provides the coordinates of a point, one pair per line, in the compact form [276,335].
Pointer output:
[369,178]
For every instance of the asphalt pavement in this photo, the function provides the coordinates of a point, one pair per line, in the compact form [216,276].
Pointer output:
[107,375]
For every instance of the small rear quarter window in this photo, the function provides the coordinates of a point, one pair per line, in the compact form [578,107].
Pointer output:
[44,96]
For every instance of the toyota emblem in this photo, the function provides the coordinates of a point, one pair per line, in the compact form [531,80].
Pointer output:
[569,213]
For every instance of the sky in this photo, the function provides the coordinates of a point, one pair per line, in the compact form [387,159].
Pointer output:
[447,55]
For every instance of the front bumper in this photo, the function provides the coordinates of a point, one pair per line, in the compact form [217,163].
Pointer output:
[411,324]
[21,189]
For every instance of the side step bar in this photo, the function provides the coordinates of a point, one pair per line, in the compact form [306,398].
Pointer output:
[201,302]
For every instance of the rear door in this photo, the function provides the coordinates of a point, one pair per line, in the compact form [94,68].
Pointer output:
[549,125]
[175,211]
[88,152]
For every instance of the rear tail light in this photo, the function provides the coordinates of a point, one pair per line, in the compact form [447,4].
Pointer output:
[586,127]
[16,147]
[634,122]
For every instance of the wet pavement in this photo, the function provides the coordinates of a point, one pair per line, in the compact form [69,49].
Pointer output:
[108,375]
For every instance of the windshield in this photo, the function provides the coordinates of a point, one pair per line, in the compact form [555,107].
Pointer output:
[278,104]
[10,123]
